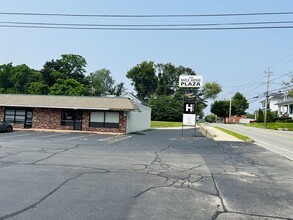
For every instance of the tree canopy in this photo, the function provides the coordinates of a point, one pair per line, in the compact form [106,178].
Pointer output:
[239,105]
[144,79]
[157,84]
[101,82]
[64,76]
[221,108]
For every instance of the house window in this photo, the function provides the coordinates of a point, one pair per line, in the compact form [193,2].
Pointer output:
[14,115]
[285,97]
[104,119]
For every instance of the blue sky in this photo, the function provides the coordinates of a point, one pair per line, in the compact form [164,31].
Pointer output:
[236,59]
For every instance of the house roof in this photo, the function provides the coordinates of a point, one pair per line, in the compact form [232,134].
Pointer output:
[68,102]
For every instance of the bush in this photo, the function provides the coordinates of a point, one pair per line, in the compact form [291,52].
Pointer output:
[284,119]
[271,116]
[211,118]
[260,116]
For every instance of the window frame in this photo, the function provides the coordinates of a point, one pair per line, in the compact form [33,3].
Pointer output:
[104,123]
[18,115]
[67,122]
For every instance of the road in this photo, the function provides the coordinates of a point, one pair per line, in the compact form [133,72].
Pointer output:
[280,142]
[158,175]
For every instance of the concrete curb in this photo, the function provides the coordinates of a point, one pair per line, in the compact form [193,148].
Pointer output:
[206,132]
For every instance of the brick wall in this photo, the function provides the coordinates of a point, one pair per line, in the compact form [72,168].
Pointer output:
[1,113]
[48,119]
[51,119]
[121,129]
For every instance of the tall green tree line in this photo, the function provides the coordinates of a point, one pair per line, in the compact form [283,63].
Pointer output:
[64,76]
[157,85]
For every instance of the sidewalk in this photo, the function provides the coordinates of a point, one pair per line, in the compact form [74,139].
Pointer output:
[216,134]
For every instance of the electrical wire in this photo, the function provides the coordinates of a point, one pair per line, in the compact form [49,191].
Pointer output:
[146,15]
[144,29]
[141,25]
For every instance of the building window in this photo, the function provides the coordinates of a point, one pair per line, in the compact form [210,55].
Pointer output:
[67,118]
[14,115]
[104,119]
[285,97]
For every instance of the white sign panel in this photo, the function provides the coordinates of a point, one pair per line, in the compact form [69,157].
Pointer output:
[189,119]
[190,81]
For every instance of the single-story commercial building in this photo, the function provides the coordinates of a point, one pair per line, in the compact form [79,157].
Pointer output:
[137,120]
[97,114]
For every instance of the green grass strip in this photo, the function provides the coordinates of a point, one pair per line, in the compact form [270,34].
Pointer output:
[165,124]
[239,136]
[273,125]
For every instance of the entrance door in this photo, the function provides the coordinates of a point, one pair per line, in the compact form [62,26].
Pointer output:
[77,125]
[28,119]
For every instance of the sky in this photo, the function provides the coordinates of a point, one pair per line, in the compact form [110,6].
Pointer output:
[236,59]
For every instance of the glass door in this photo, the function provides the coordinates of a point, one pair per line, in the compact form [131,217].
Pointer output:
[28,119]
[77,125]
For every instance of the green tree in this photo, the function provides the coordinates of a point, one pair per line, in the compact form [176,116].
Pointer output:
[69,87]
[168,77]
[101,82]
[211,118]
[38,88]
[240,104]
[20,78]
[70,66]
[221,108]
[5,72]
[73,66]
[166,108]
[144,79]
[210,90]
[260,116]
[119,89]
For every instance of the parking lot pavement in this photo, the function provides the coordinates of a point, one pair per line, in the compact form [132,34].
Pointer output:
[157,174]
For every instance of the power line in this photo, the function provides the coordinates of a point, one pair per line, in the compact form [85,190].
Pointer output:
[145,15]
[286,74]
[141,25]
[144,29]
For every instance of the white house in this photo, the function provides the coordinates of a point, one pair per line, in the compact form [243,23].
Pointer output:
[137,120]
[273,99]
[285,106]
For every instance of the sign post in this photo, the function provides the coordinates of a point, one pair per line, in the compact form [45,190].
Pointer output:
[189,82]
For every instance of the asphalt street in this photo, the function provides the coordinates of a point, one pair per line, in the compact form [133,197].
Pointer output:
[157,174]
[280,142]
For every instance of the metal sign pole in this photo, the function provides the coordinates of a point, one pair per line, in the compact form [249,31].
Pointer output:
[189,102]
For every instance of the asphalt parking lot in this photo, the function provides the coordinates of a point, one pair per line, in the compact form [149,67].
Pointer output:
[157,174]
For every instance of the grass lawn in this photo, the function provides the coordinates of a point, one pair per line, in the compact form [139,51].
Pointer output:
[165,124]
[273,125]
[239,136]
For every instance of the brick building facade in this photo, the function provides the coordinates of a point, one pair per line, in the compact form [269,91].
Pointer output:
[66,113]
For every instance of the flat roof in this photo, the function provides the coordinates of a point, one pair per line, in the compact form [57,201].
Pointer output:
[67,102]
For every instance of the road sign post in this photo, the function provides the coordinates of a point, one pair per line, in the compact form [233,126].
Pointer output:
[189,82]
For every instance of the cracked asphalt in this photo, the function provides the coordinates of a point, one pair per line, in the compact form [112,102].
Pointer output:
[158,174]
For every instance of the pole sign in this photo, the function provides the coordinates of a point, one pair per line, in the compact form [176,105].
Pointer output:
[189,96]
[190,81]
[189,119]
[189,108]
[189,114]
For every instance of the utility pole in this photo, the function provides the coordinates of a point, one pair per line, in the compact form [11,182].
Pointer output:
[268,73]
[230,108]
